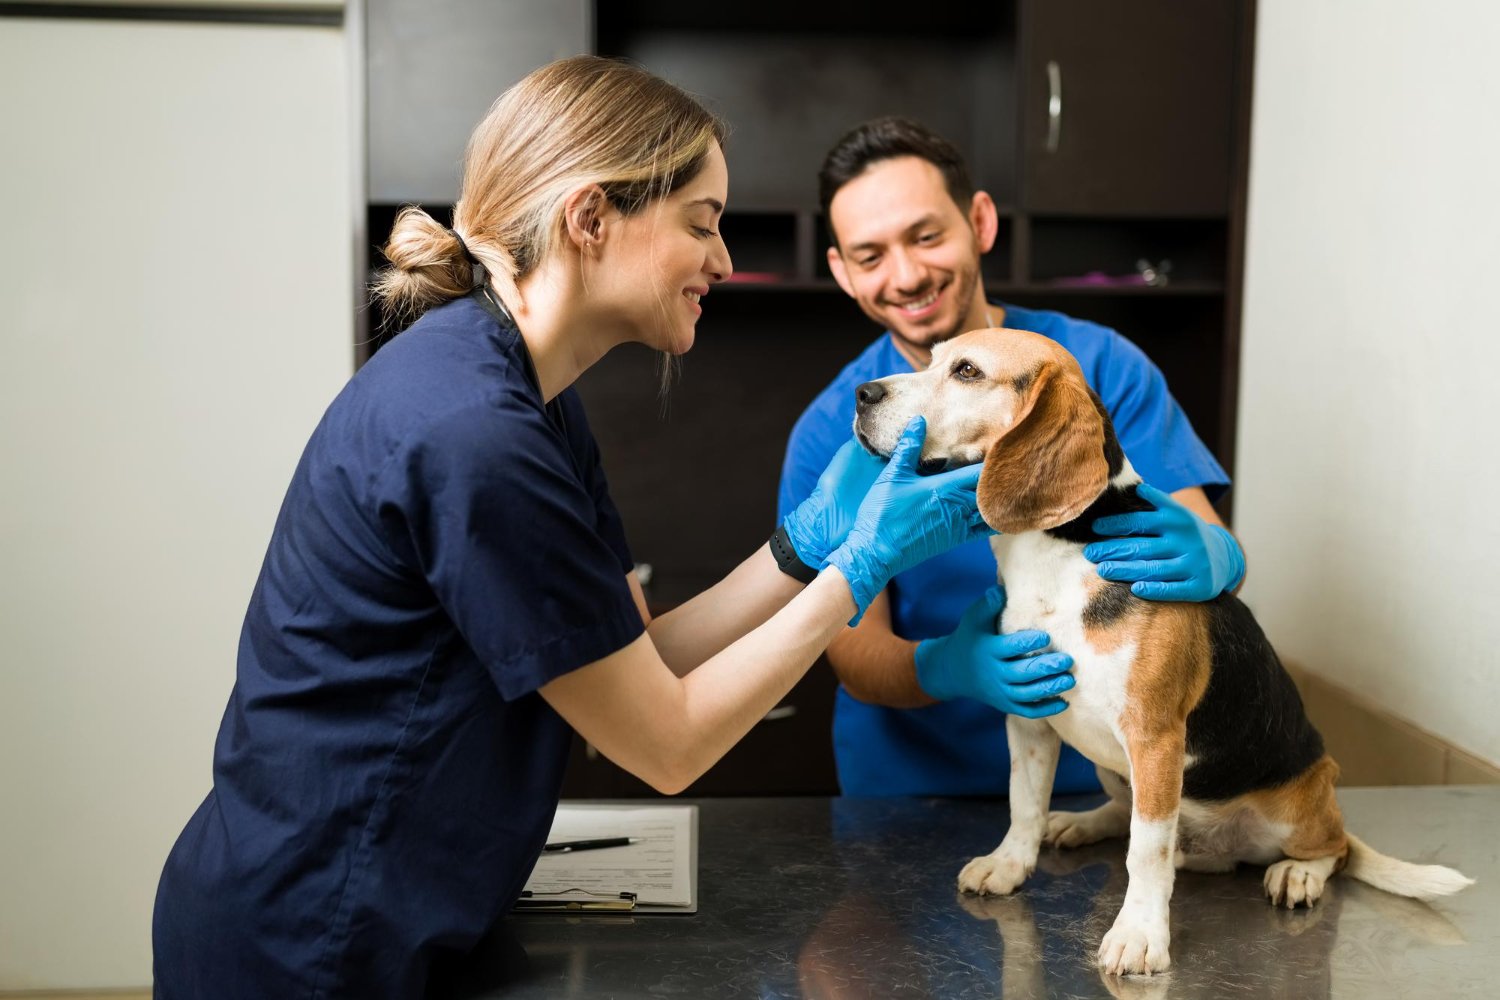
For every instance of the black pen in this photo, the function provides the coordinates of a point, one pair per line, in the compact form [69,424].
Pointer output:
[589,845]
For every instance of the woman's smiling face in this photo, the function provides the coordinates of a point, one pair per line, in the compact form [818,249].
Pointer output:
[667,256]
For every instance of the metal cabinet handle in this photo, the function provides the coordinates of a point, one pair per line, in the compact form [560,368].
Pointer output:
[1054,105]
[780,712]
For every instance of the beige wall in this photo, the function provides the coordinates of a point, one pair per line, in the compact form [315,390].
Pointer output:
[1367,477]
[176,278]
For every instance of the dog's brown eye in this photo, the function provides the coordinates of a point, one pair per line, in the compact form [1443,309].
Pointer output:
[966,371]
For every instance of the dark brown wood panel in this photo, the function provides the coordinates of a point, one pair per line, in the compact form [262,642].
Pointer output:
[1147,101]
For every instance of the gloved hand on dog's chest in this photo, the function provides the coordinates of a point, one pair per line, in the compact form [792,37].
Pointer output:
[1170,554]
[977,662]
[907,518]
[820,523]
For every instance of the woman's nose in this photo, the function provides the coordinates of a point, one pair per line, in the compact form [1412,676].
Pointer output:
[719,265]
[868,395]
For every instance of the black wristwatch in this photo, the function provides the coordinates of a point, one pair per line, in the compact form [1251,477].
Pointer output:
[787,559]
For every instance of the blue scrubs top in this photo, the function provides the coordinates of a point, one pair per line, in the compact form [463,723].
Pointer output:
[958,747]
[386,773]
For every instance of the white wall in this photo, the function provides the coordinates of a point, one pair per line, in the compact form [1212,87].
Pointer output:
[1367,477]
[175,313]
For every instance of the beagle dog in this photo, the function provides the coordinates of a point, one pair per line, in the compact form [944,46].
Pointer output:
[1197,732]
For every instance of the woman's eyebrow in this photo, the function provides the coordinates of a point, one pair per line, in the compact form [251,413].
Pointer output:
[713,203]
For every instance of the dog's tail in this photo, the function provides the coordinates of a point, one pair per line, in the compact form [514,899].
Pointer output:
[1402,877]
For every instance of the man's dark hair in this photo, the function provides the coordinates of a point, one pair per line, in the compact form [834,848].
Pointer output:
[884,139]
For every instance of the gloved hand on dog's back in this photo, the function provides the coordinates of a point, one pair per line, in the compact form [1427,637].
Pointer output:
[907,518]
[978,662]
[1168,554]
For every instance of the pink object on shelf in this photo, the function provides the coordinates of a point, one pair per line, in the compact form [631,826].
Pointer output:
[1100,278]
[755,278]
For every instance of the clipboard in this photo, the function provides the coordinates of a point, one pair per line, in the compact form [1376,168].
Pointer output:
[657,875]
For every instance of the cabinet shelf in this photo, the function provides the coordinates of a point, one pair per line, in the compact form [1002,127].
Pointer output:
[996,288]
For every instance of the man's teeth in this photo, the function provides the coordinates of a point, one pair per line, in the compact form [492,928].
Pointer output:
[920,303]
[692,296]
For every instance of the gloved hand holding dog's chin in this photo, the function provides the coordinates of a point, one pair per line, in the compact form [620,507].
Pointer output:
[907,518]
[822,521]
[977,662]
[1171,553]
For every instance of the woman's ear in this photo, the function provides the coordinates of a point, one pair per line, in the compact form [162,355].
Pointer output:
[584,213]
[1050,465]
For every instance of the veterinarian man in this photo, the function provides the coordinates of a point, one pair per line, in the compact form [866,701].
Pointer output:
[924,670]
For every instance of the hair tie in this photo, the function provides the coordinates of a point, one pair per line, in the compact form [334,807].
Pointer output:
[475,265]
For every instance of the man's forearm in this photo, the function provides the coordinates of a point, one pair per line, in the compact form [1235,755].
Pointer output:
[874,664]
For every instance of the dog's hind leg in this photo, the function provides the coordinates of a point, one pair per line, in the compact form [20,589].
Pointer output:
[1075,829]
[1034,747]
[1306,813]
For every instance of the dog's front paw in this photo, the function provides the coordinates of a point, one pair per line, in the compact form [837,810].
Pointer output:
[996,874]
[1132,948]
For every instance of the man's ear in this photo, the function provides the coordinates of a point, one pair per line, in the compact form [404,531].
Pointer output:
[985,220]
[840,272]
[1050,465]
[585,213]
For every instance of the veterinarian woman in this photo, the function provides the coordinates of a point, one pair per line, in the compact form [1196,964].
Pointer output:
[447,586]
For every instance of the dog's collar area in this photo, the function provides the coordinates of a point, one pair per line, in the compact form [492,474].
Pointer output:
[932,466]
[1117,498]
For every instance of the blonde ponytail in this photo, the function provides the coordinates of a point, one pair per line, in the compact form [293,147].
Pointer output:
[578,121]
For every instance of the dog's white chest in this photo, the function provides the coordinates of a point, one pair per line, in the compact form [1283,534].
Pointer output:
[1046,588]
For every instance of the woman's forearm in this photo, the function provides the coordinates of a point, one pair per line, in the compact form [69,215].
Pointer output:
[668,730]
[755,590]
[733,690]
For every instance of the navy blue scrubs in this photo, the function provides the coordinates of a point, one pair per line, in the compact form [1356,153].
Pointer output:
[386,773]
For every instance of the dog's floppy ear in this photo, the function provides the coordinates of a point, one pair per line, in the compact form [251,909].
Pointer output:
[1050,465]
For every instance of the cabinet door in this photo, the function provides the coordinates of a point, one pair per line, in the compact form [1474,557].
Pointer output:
[433,71]
[1129,107]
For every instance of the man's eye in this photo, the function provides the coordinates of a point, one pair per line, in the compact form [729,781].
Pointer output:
[966,371]
[928,238]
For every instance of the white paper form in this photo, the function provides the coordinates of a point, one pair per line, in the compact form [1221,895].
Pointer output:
[660,871]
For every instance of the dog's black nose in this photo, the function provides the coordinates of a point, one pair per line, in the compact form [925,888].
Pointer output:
[869,394]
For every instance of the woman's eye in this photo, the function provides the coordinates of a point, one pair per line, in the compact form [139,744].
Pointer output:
[704,234]
[967,371]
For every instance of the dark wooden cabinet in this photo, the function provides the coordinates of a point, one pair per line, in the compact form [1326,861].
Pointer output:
[1128,108]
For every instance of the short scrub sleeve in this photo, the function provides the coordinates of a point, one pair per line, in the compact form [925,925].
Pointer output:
[490,507]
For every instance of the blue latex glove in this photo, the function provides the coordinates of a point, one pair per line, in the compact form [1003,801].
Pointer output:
[907,518]
[1171,553]
[822,521]
[977,662]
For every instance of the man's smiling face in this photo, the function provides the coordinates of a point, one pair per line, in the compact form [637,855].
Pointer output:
[906,252]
